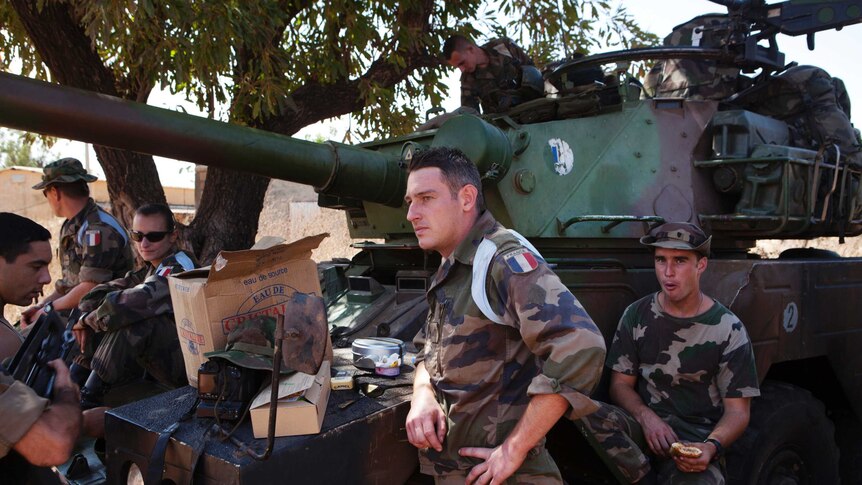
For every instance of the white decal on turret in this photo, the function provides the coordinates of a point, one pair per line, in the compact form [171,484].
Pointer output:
[563,157]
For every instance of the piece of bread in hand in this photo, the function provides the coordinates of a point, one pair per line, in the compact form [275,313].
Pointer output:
[679,449]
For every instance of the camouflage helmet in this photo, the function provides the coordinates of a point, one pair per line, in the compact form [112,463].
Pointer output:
[63,171]
[252,343]
[679,235]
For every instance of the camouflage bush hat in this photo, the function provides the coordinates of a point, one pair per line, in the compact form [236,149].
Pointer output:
[252,343]
[63,171]
[679,235]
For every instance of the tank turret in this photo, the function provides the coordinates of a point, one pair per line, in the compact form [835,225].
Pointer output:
[557,181]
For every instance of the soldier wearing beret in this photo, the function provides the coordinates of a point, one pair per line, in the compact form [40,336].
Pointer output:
[94,246]
[682,370]
[506,350]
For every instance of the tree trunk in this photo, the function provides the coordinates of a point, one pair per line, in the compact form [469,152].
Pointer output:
[228,213]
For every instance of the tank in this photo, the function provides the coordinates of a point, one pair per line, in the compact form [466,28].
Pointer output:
[583,174]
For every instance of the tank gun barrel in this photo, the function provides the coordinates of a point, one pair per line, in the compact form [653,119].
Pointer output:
[333,168]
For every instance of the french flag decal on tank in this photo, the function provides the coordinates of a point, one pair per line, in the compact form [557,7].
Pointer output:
[522,262]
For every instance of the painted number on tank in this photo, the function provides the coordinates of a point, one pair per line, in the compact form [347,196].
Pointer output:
[562,156]
[791,317]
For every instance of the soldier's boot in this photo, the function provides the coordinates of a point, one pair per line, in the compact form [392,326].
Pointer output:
[79,374]
[93,392]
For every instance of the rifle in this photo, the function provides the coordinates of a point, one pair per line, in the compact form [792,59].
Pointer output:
[49,339]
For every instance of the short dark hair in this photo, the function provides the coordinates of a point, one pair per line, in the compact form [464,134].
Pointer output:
[455,43]
[76,190]
[17,234]
[158,209]
[457,170]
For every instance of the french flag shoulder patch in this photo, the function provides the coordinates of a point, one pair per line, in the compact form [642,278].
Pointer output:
[93,237]
[164,271]
[522,261]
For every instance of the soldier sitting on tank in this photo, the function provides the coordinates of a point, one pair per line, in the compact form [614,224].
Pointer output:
[814,105]
[493,377]
[134,313]
[697,78]
[682,371]
[496,77]
[93,246]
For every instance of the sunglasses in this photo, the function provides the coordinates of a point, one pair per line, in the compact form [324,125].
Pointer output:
[154,236]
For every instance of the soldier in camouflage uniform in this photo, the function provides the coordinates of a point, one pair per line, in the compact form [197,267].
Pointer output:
[503,355]
[134,314]
[696,78]
[683,370]
[815,106]
[94,247]
[497,75]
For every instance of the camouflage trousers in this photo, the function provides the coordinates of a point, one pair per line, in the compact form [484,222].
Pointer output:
[669,474]
[619,437]
[151,345]
[459,479]
[551,476]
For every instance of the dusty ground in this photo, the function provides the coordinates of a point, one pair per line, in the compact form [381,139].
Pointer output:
[290,211]
[772,248]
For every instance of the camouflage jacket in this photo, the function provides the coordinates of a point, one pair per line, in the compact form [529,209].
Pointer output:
[20,407]
[484,373]
[94,247]
[489,85]
[685,366]
[140,295]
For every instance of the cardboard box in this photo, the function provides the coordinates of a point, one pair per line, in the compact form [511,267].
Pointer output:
[210,302]
[301,404]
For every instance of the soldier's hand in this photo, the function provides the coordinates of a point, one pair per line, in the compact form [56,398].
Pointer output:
[659,435]
[30,315]
[695,465]
[500,463]
[426,422]
[80,331]
[64,389]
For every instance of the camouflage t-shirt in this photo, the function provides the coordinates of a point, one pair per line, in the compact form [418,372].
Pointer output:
[94,247]
[685,366]
[491,84]
[484,373]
